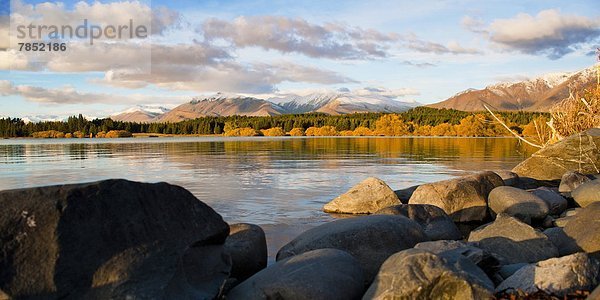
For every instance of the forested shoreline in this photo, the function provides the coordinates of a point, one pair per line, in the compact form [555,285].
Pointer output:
[418,121]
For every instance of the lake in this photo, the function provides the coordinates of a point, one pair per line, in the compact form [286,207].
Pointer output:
[278,183]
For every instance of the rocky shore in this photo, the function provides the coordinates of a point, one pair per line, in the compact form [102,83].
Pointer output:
[532,231]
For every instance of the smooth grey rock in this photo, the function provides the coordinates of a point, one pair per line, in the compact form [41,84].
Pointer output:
[561,240]
[319,274]
[367,197]
[556,203]
[202,272]
[558,276]
[587,193]
[578,152]
[247,246]
[584,229]
[436,223]
[451,247]
[405,194]
[419,274]
[517,203]
[570,181]
[513,241]
[370,239]
[510,178]
[106,239]
[463,199]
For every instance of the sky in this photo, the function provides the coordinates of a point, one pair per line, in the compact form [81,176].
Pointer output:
[424,51]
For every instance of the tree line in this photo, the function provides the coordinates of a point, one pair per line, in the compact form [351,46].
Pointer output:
[414,120]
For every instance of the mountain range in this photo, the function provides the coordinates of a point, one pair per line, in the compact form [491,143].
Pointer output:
[333,103]
[536,94]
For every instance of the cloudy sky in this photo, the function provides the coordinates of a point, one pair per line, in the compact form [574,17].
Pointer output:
[414,50]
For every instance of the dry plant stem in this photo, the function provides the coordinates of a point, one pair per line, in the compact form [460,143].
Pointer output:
[510,130]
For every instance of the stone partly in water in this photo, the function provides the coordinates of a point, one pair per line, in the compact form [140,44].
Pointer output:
[247,246]
[513,241]
[559,276]
[436,223]
[108,239]
[570,181]
[367,197]
[517,203]
[464,199]
[578,152]
[371,239]
[319,274]
[556,203]
[584,229]
[419,274]
[587,193]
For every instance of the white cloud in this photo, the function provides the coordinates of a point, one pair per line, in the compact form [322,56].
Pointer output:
[411,41]
[548,33]
[287,35]
[68,95]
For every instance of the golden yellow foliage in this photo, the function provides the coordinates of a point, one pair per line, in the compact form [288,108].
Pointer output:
[539,130]
[424,130]
[68,135]
[49,134]
[322,131]
[275,131]
[246,131]
[118,134]
[362,131]
[78,134]
[297,132]
[101,134]
[391,125]
[443,129]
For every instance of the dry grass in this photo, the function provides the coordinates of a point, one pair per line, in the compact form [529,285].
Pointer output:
[576,113]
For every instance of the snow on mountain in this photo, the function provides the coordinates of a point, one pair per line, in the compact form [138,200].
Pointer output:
[42,118]
[145,109]
[140,113]
[342,102]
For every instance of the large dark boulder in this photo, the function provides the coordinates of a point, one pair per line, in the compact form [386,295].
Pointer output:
[107,239]
[247,246]
[419,274]
[579,152]
[367,197]
[464,199]
[584,230]
[319,274]
[371,239]
[513,241]
[436,223]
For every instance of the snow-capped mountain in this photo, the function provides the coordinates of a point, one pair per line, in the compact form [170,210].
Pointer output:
[140,113]
[341,103]
[42,118]
[535,94]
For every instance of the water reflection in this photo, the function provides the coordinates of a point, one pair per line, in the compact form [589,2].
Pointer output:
[275,182]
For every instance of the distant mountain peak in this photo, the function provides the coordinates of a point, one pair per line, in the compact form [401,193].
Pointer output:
[534,94]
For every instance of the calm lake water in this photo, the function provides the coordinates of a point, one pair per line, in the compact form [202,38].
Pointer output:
[278,183]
